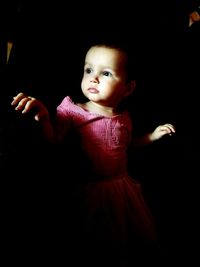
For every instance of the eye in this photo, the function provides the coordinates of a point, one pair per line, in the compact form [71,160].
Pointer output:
[107,73]
[88,70]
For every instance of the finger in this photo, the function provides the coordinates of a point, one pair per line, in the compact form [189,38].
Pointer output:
[22,103]
[18,98]
[28,104]
[40,115]
[170,127]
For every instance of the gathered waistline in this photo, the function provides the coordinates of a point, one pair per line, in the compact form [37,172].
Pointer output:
[111,178]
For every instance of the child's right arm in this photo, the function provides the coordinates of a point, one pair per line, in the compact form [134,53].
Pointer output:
[26,103]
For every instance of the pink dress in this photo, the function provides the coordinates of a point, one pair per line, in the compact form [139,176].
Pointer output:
[113,204]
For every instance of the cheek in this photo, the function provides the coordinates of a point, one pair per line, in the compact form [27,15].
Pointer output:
[85,80]
[115,92]
[83,83]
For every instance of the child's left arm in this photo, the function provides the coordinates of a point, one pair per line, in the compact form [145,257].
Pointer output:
[161,130]
[158,133]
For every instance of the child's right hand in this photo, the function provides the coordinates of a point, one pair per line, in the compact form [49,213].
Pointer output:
[26,103]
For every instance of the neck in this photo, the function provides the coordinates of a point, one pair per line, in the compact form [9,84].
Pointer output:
[101,109]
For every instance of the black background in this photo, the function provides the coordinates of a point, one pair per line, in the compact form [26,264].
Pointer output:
[50,41]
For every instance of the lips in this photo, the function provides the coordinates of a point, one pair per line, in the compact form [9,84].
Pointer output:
[93,90]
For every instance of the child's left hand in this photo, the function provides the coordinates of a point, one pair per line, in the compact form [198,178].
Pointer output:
[161,130]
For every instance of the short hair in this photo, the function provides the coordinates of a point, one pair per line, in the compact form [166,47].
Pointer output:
[120,42]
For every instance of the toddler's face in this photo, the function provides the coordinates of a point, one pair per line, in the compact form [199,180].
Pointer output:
[104,78]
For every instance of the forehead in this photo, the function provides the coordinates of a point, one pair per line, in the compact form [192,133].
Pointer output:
[105,54]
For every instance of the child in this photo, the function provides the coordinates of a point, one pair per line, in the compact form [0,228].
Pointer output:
[114,214]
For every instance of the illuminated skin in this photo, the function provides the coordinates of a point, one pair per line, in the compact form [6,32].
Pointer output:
[104,80]
[108,193]
[104,84]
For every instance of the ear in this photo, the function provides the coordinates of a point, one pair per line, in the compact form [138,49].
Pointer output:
[130,87]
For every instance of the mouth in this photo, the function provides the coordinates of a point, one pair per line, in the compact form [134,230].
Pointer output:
[93,90]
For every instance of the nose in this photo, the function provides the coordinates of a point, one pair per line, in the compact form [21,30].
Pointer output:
[94,79]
